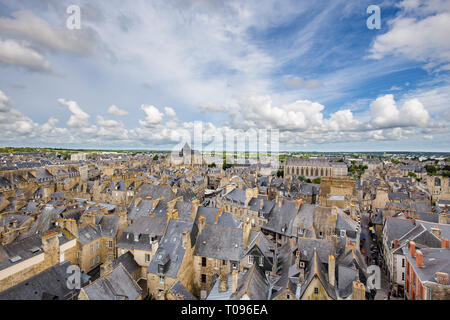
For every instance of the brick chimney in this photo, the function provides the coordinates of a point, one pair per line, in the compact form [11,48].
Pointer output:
[436,231]
[444,243]
[246,230]
[442,278]
[234,281]
[201,224]
[412,248]
[443,218]
[331,269]
[223,283]
[185,239]
[359,291]
[395,243]
[298,203]
[419,258]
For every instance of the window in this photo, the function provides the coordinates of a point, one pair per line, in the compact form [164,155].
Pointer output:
[110,244]
[92,262]
[403,276]
[288,296]
[123,251]
[78,255]
[203,262]
[403,262]
[203,278]
[92,248]
[250,259]
[61,257]
[147,257]
[316,290]
[97,245]
[161,279]
[224,262]
[97,259]
[261,261]
[110,257]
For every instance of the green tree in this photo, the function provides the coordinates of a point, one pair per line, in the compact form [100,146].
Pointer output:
[155,158]
[317,180]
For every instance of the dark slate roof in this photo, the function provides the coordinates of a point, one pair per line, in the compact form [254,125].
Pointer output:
[178,288]
[282,219]
[88,234]
[224,219]
[108,225]
[253,283]
[236,195]
[127,260]
[145,228]
[396,228]
[345,278]
[220,242]
[21,248]
[170,251]
[308,246]
[48,283]
[142,210]
[117,285]
[399,196]
[49,214]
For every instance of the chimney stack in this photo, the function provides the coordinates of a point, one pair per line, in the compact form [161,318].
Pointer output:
[444,243]
[298,203]
[247,229]
[185,238]
[395,243]
[436,231]
[419,258]
[297,258]
[359,291]
[201,224]
[442,278]
[443,218]
[331,269]
[412,248]
[234,281]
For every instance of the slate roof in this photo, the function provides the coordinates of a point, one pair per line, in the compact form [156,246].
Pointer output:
[282,219]
[50,282]
[117,285]
[253,283]
[433,259]
[145,228]
[178,288]
[170,251]
[224,219]
[396,228]
[88,234]
[344,280]
[127,260]
[220,242]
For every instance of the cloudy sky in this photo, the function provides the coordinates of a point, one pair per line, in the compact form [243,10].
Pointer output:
[139,74]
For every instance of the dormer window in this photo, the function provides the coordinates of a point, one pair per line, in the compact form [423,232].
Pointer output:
[136,237]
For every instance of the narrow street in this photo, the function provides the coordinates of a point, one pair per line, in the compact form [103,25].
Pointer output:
[368,244]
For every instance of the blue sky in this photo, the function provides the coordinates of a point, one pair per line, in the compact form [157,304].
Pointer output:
[310,69]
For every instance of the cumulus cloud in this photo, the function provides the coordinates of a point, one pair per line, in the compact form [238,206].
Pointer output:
[419,32]
[386,114]
[170,112]
[4,101]
[13,53]
[114,110]
[79,118]
[152,116]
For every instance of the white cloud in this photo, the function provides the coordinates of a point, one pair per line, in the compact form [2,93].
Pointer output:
[13,53]
[114,110]
[107,123]
[428,137]
[170,112]
[79,118]
[419,32]
[4,101]
[153,116]
[385,114]
[25,24]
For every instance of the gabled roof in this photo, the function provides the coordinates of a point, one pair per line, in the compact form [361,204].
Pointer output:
[220,242]
[117,285]
[254,284]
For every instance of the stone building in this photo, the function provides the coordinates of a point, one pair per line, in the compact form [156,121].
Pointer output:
[312,168]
